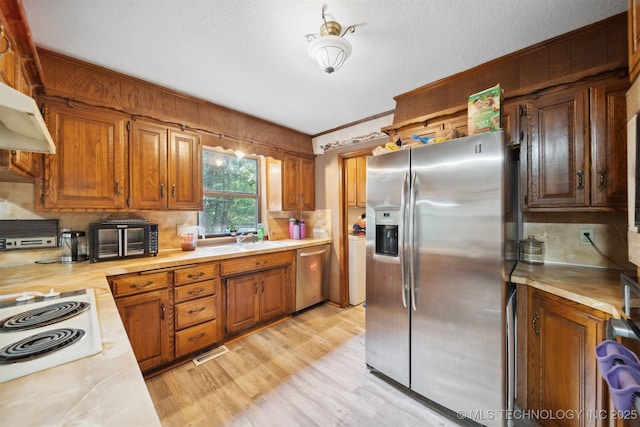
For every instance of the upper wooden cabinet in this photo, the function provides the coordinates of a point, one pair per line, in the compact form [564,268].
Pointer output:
[88,170]
[164,168]
[573,156]
[356,182]
[298,183]
[291,184]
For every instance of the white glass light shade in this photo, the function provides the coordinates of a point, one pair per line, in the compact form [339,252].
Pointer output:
[329,52]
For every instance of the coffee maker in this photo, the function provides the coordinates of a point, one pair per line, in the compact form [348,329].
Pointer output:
[73,247]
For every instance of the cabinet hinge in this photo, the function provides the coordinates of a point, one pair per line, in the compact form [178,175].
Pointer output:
[226,331]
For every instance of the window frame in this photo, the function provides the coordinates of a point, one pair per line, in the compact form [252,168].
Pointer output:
[257,196]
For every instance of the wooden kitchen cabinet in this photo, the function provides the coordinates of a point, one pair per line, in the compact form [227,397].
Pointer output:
[298,183]
[557,369]
[88,170]
[608,110]
[197,308]
[144,305]
[164,168]
[357,182]
[254,298]
[574,153]
[258,289]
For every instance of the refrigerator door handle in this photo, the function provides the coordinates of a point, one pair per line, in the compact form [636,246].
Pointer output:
[411,239]
[401,232]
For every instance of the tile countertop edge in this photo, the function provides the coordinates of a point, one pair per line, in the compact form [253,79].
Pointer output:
[598,288]
[107,388]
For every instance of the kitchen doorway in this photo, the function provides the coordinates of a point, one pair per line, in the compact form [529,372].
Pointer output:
[352,207]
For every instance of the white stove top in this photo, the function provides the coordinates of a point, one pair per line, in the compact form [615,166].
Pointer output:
[86,321]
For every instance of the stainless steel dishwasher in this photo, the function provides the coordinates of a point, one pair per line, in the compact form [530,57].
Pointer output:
[312,275]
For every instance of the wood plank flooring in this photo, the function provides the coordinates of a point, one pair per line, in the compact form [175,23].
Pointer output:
[306,371]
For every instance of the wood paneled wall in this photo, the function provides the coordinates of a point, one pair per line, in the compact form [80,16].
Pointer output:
[585,52]
[71,78]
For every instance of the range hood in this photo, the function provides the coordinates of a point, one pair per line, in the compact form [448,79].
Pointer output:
[21,124]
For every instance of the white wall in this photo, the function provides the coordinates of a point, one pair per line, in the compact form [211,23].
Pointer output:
[328,180]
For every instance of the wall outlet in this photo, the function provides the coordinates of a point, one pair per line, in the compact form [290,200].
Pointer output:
[583,239]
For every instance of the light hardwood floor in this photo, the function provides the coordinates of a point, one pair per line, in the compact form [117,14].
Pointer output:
[308,370]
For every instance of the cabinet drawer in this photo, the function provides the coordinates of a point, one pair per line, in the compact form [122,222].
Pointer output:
[196,337]
[254,263]
[196,273]
[193,312]
[196,290]
[138,283]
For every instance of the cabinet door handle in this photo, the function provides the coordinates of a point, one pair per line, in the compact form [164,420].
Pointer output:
[195,291]
[197,337]
[602,183]
[536,316]
[117,187]
[263,286]
[255,288]
[141,285]
[195,276]
[580,179]
[162,191]
[197,310]
[163,312]
[173,190]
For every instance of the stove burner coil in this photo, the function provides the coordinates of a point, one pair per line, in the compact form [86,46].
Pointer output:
[43,316]
[40,344]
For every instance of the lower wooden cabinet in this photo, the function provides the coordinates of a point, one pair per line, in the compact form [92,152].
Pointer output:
[254,298]
[170,314]
[557,368]
[145,318]
[197,308]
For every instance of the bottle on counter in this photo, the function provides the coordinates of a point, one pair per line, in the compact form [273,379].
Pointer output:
[260,232]
[292,222]
[303,229]
[296,230]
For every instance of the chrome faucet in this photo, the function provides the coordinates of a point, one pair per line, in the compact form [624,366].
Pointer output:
[240,238]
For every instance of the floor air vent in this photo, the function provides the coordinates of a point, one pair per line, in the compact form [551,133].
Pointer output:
[211,354]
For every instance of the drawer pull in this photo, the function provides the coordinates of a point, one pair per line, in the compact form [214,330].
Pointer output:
[141,285]
[197,337]
[195,276]
[196,310]
[261,262]
[195,291]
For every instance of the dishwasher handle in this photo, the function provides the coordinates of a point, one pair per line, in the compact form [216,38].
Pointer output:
[313,253]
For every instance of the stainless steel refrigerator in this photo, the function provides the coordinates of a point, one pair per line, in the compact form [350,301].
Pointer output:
[441,244]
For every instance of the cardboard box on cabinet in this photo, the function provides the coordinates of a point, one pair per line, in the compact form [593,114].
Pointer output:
[485,111]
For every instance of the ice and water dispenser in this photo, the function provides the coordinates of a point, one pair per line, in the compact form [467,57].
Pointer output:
[386,222]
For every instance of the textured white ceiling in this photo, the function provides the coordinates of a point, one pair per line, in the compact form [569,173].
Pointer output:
[251,55]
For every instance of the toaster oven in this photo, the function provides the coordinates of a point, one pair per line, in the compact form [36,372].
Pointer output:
[111,240]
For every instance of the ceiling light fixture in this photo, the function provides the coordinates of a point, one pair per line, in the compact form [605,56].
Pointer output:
[329,49]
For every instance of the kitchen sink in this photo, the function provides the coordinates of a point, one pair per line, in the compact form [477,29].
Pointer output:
[243,247]
[255,246]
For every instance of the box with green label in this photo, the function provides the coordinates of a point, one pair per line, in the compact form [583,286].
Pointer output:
[485,111]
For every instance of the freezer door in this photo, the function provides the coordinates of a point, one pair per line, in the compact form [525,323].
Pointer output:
[458,326]
[387,315]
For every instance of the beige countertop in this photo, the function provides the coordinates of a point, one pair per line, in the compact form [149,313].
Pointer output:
[107,388]
[598,288]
